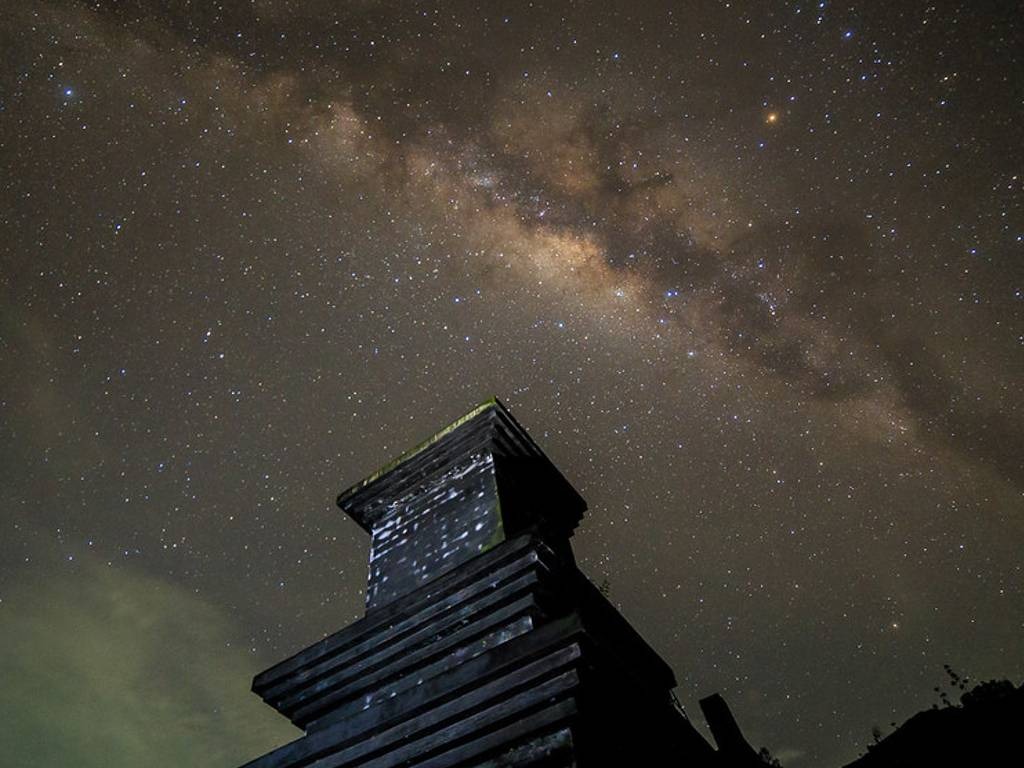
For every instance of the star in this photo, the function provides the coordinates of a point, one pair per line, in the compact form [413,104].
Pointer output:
[754,242]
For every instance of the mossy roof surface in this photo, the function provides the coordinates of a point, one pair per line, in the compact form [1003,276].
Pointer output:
[408,455]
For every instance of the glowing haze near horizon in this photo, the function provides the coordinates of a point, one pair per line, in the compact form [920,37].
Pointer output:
[750,273]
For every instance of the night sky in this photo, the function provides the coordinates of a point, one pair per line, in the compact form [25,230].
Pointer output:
[752,274]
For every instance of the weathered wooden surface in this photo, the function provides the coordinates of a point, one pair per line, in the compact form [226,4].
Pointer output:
[483,645]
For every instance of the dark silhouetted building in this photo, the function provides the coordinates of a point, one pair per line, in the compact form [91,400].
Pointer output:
[482,644]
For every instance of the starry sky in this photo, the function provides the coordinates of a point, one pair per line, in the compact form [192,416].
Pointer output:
[750,273]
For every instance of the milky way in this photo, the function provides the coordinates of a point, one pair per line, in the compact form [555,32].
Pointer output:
[752,276]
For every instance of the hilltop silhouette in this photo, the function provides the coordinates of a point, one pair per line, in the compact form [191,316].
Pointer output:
[983,729]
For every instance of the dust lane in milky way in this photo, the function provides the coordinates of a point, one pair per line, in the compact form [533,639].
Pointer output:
[751,275]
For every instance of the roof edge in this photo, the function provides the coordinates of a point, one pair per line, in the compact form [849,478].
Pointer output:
[393,464]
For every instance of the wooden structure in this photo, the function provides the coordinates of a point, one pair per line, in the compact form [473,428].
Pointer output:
[483,644]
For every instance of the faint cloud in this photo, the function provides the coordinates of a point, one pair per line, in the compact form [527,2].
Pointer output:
[109,667]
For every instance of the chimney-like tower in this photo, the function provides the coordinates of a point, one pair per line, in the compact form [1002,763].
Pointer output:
[482,645]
